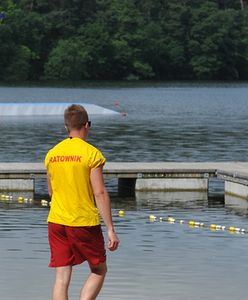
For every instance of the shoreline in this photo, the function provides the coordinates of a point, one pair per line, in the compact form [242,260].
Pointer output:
[122,84]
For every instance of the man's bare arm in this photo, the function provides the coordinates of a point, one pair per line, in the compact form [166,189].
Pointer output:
[49,186]
[104,206]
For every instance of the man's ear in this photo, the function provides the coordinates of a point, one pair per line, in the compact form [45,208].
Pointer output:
[66,128]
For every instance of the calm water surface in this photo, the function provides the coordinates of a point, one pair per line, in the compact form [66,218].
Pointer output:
[156,260]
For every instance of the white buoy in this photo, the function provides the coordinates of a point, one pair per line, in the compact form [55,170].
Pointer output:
[44,203]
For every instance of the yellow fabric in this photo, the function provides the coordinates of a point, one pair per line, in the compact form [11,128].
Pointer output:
[69,164]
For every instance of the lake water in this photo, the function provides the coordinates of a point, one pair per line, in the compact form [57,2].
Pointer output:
[156,260]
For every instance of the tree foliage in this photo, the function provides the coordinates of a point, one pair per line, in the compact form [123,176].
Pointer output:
[128,39]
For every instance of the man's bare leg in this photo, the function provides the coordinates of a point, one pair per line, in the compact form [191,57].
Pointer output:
[61,284]
[94,282]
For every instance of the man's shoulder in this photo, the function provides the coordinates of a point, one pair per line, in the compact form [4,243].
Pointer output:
[91,147]
[66,145]
[56,146]
[93,150]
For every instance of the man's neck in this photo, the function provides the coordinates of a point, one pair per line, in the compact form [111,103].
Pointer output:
[77,134]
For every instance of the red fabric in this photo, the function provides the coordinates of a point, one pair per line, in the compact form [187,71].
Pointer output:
[73,245]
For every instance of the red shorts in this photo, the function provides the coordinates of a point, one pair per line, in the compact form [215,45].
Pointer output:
[74,245]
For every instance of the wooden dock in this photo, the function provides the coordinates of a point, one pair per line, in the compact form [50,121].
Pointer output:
[144,176]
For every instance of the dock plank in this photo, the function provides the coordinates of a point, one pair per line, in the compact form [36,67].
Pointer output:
[235,169]
[179,175]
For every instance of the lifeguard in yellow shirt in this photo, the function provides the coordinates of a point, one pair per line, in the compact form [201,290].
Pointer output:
[78,196]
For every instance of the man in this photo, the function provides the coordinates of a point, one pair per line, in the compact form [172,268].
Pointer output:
[76,186]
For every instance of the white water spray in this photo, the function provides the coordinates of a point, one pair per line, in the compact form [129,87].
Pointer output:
[48,109]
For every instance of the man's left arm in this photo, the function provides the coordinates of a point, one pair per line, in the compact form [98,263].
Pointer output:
[49,186]
[103,205]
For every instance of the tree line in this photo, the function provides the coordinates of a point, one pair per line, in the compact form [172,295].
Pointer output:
[123,39]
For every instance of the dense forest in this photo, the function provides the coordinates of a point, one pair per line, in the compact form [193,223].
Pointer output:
[123,39]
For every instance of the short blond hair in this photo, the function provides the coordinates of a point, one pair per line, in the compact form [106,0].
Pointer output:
[75,117]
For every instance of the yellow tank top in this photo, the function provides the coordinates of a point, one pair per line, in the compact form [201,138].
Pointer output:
[69,164]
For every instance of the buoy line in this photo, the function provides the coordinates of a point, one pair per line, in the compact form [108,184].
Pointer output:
[192,223]
[8,198]
[152,218]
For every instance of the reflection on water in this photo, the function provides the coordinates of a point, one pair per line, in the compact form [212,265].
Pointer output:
[237,205]
[156,199]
